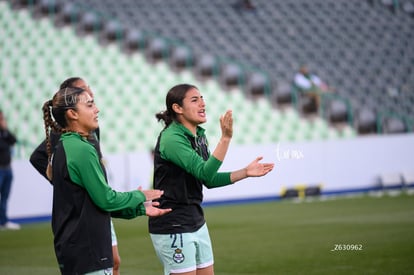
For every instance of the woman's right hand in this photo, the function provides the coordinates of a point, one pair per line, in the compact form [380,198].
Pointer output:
[152,210]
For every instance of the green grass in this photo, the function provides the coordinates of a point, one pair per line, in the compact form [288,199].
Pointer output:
[262,238]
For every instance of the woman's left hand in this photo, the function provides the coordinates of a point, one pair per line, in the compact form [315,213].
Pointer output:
[257,169]
[151,194]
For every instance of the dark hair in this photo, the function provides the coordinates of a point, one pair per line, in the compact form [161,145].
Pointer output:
[69,83]
[62,101]
[174,96]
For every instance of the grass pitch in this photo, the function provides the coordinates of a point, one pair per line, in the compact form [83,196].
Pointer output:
[362,235]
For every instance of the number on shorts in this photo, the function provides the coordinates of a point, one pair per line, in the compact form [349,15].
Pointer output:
[175,239]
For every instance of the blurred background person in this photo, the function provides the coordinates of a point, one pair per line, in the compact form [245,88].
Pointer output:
[310,84]
[7,140]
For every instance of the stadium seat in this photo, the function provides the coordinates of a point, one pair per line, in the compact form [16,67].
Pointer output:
[257,85]
[393,125]
[48,7]
[365,121]
[205,66]
[180,58]
[282,93]
[135,40]
[306,105]
[408,7]
[337,111]
[157,49]
[68,14]
[112,31]
[231,75]
[89,23]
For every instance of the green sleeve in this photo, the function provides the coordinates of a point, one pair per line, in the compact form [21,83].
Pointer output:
[85,170]
[177,149]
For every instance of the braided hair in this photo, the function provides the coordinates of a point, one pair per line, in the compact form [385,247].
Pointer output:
[54,116]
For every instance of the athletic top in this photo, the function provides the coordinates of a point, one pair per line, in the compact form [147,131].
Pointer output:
[182,165]
[39,158]
[82,205]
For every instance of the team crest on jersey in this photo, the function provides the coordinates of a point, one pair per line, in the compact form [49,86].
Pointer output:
[178,256]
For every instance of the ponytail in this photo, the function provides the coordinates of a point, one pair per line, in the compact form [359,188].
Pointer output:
[48,121]
[54,118]
[165,116]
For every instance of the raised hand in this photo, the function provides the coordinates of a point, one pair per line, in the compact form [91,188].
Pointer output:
[226,124]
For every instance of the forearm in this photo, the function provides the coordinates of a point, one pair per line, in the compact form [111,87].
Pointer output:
[112,201]
[221,148]
[238,175]
[219,180]
[129,213]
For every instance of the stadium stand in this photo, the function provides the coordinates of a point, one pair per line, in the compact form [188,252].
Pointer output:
[361,48]
[41,50]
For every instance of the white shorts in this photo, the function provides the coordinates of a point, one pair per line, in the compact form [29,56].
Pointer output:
[184,252]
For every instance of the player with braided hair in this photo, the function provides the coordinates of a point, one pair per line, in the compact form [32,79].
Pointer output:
[83,202]
[39,159]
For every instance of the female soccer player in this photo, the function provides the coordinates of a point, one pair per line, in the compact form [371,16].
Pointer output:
[182,165]
[83,202]
[39,160]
